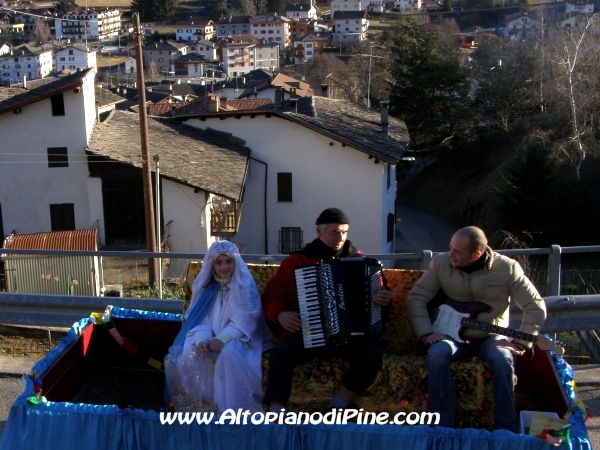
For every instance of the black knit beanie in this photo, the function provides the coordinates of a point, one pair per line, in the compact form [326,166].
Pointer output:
[332,215]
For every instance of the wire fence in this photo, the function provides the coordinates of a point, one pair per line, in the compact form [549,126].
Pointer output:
[573,281]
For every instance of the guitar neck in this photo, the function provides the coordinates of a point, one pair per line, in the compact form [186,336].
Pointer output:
[495,329]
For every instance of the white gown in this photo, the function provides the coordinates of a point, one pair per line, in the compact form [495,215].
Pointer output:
[231,378]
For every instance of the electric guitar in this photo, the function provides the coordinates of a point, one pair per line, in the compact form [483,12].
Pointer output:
[452,317]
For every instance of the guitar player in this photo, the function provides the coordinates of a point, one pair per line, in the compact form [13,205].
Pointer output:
[472,272]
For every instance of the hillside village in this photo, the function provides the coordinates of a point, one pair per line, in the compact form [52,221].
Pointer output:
[247,152]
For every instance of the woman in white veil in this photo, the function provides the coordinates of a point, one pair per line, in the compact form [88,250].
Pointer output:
[215,362]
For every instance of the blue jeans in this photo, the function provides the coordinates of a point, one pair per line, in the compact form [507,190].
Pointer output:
[442,395]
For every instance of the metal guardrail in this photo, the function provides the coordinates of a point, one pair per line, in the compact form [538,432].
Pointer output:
[565,313]
[39,310]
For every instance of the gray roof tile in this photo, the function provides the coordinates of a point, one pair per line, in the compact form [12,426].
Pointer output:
[210,160]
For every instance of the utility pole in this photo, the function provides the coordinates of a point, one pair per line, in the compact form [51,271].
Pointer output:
[146,170]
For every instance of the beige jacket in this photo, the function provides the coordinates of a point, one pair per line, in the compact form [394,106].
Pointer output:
[501,280]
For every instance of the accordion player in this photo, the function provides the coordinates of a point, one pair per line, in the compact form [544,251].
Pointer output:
[335,299]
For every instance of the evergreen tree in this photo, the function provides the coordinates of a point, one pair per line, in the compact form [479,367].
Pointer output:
[529,200]
[430,86]
[153,10]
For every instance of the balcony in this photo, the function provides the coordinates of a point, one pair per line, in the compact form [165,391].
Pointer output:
[225,217]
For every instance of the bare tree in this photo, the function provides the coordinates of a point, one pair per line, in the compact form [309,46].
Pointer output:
[40,33]
[244,8]
[575,59]
[152,72]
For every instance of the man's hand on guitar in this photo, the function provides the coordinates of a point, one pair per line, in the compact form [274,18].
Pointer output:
[510,346]
[382,297]
[433,338]
[290,320]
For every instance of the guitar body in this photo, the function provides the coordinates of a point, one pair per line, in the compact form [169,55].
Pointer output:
[450,315]
[452,318]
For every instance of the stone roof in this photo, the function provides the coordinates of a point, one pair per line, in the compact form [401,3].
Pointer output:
[189,58]
[288,83]
[338,15]
[298,7]
[164,45]
[194,22]
[17,97]
[308,38]
[169,108]
[268,18]
[104,97]
[357,124]
[210,160]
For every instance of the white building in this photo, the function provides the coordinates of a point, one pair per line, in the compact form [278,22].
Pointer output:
[190,65]
[271,28]
[208,49]
[194,30]
[350,26]
[338,156]
[94,24]
[408,5]
[522,26]
[579,7]
[301,11]
[75,57]
[266,55]
[130,64]
[233,26]
[25,61]
[45,129]
[345,5]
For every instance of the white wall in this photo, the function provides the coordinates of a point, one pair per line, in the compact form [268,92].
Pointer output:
[191,221]
[28,186]
[323,176]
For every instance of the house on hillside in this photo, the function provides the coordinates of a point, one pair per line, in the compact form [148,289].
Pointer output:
[75,57]
[27,62]
[522,26]
[44,179]
[345,5]
[408,5]
[194,30]
[279,90]
[237,54]
[301,11]
[330,153]
[271,28]
[208,49]
[96,24]
[305,47]
[190,65]
[233,26]
[163,54]
[350,26]
[579,7]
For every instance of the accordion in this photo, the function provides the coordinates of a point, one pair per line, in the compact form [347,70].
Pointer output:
[335,299]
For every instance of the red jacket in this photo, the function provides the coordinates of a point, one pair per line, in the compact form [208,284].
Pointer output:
[280,292]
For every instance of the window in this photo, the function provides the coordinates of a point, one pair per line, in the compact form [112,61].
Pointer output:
[390,227]
[290,239]
[62,216]
[58,105]
[70,52]
[1,226]
[62,58]
[284,186]
[57,157]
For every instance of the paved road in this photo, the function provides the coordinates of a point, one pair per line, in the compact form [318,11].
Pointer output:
[420,230]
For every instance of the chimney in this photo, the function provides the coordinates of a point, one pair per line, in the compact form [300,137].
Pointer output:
[97,111]
[384,116]
[278,96]
[24,81]
[213,103]
[294,104]
[325,90]
[173,111]
[255,92]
